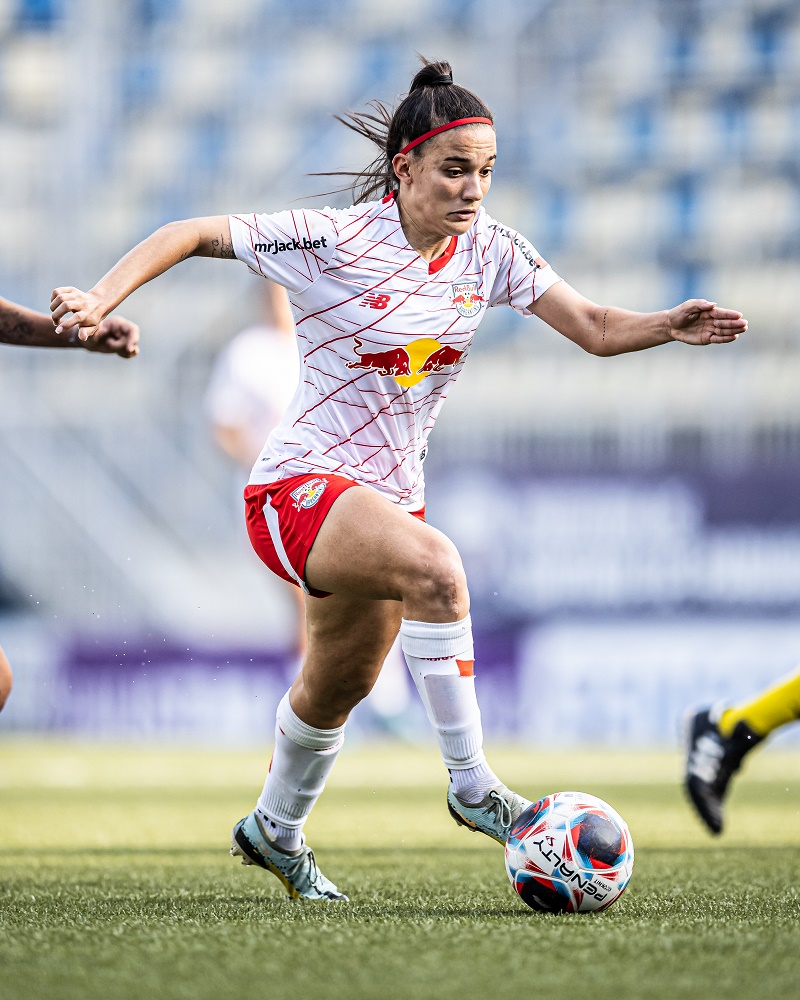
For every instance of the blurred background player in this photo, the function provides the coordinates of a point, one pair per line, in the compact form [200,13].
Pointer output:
[719,738]
[253,379]
[252,382]
[27,328]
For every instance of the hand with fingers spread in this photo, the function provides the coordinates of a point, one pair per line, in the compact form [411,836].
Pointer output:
[607,331]
[76,313]
[700,323]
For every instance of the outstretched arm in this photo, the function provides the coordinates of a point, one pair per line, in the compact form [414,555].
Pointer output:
[33,329]
[82,312]
[609,331]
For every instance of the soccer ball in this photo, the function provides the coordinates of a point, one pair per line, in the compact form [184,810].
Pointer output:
[569,853]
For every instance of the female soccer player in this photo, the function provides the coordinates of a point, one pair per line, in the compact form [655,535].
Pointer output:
[387,296]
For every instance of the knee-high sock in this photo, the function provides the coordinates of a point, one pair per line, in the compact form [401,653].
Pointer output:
[440,657]
[772,708]
[300,765]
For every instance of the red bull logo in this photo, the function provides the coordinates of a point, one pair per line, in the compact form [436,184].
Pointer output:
[308,493]
[466,300]
[445,357]
[410,364]
[395,361]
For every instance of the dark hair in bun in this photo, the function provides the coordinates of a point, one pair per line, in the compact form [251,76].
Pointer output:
[432,100]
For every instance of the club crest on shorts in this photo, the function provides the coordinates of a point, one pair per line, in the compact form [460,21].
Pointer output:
[308,494]
[466,300]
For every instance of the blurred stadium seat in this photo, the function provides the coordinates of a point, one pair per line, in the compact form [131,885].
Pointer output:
[649,149]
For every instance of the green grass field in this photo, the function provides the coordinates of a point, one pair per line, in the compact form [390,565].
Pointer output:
[115,883]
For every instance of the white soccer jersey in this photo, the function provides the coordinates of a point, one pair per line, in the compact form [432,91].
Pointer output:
[252,382]
[382,334]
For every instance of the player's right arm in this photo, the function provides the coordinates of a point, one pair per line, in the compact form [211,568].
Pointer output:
[77,312]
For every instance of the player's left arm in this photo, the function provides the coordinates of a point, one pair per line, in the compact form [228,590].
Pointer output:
[27,328]
[607,330]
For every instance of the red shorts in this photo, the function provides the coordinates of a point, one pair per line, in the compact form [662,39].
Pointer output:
[284,518]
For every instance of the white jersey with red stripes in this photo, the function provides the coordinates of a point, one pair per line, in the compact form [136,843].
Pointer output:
[382,334]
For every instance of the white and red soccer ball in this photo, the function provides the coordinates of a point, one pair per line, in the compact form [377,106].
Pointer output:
[569,853]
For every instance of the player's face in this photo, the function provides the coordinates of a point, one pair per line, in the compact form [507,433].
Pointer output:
[441,189]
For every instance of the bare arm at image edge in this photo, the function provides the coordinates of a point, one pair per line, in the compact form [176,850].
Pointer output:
[26,328]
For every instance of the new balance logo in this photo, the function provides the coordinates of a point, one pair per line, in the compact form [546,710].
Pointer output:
[375,300]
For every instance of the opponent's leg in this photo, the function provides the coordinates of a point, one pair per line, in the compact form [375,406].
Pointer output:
[719,739]
[348,640]
[768,711]
[392,555]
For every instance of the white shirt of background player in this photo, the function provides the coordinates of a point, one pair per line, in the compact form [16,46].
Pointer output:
[253,379]
[252,383]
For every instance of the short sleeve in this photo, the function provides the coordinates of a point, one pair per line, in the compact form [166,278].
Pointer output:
[523,275]
[291,248]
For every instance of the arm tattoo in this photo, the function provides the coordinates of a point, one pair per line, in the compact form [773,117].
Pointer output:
[605,316]
[221,248]
[28,328]
[15,328]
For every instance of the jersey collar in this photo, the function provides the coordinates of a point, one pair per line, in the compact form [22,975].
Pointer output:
[438,263]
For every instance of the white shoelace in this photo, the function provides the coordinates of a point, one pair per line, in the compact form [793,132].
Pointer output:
[501,807]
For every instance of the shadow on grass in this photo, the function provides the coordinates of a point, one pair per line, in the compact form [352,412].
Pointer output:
[707,850]
[215,852]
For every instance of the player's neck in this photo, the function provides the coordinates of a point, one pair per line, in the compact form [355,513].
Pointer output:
[428,245]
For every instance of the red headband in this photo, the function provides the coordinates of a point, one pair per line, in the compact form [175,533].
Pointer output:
[444,128]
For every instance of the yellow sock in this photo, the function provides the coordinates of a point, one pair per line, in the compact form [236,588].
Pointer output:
[772,708]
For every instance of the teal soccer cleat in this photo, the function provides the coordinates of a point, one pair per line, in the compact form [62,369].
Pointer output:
[493,816]
[297,870]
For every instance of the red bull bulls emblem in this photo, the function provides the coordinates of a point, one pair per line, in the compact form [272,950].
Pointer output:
[445,357]
[392,362]
[410,364]
[308,494]
[466,300]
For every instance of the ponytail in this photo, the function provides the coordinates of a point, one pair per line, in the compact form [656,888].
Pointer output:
[433,100]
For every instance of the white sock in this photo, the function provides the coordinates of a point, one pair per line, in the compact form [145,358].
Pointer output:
[300,765]
[440,657]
